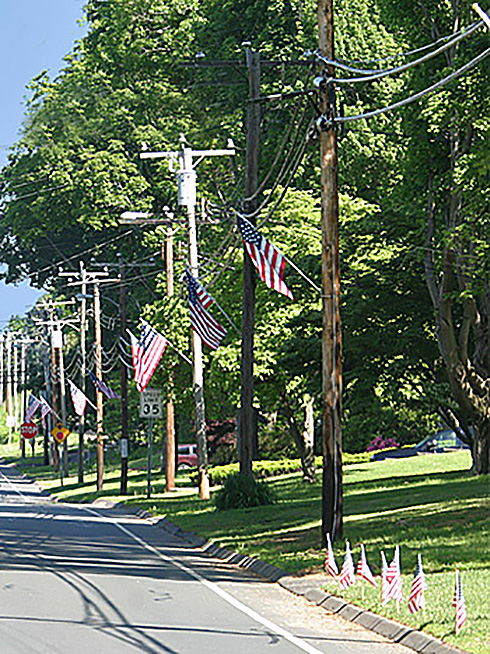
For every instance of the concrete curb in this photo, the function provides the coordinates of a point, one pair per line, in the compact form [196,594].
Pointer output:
[302,586]
[309,589]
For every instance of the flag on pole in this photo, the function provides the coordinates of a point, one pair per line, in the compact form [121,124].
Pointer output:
[202,321]
[363,569]
[78,398]
[103,387]
[384,581]
[265,256]
[147,354]
[330,563]
[394,579]
[459,604]
[45,409]
[347,573]
[135,349]
[33,405]
[416,601]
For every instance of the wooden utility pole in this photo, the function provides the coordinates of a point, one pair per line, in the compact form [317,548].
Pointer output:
[124,386]
[331,335]
[247,423]
[170,414]
[22,393]
[83,369]
[63,400]
[100,397]
[10,417]
[2,370]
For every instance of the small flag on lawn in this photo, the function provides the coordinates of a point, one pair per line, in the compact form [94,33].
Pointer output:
[330,563]
[347,573]
[459,605]
[103,387]
[265,256]
[33,405]
[384,580]
[78,398]
[416,600]
[363,569]
[394,578]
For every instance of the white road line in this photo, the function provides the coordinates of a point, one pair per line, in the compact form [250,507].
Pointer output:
[287,635]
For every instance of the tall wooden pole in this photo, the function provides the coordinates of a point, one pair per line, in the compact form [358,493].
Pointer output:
[83,370]
[331,335]
[63,404]
[23,393]
[9,386]
[124,386]
[170,414]
[100,406]
[247,423]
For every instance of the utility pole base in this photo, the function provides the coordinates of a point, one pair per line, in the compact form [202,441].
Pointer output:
[204,492]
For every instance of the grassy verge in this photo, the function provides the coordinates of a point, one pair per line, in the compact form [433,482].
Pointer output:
[428,504]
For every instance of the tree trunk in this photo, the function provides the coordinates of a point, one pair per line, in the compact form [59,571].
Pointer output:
[304,441]
[481,450]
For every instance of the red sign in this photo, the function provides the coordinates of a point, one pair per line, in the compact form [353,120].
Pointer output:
[28,430]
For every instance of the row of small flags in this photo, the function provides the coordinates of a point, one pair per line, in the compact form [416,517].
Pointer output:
[391,580]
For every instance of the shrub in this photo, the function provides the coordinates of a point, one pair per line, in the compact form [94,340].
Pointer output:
[242,491]
[380,443]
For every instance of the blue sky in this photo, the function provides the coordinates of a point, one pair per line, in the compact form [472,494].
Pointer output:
[35,35]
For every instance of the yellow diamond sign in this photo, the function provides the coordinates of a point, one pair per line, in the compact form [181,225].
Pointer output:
[59,432]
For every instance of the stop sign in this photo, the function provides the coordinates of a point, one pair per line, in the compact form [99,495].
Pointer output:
[28,429]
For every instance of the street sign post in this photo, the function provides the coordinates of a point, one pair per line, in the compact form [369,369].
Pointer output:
[151,407]
[28,430]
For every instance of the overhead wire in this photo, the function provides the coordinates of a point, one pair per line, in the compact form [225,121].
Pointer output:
[416,96]
[368,75]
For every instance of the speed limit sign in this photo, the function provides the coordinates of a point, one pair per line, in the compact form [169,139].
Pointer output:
[151,405]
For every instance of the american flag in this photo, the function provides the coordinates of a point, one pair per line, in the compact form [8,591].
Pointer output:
[459,604]
[103,387]
[202,321]
[394,579]
[147,354]
[347,573]
[330,563]
[45,409]
[33,405]
[416,601]
[363,569]
[268,259]
[78,398]
[384,580]
[135,349]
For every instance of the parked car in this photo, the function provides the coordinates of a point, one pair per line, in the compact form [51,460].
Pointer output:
[187,456]
[444,440]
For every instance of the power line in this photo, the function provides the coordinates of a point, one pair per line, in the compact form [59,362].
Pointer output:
[374,75]
[328,122]
[452,38]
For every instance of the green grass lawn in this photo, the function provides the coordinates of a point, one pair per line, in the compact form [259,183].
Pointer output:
[429,504]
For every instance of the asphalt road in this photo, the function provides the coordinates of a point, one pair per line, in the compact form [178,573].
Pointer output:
[78,579]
